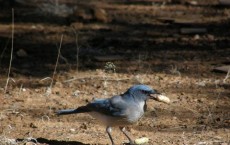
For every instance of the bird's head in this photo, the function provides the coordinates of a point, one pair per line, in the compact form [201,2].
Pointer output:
[142,92]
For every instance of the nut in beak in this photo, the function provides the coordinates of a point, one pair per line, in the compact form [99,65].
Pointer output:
[160,98]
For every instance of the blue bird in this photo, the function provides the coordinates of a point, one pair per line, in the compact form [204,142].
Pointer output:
[120,110]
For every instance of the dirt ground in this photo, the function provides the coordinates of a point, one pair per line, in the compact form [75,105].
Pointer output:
[170,45]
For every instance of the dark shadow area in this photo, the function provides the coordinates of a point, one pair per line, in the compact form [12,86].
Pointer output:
[54,142]
[128,32]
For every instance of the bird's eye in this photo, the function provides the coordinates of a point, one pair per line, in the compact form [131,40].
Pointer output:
[144,92]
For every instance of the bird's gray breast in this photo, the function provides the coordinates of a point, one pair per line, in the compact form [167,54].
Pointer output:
[135,112]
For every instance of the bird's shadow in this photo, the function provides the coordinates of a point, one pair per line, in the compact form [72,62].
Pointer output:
[55,142]
[58,142]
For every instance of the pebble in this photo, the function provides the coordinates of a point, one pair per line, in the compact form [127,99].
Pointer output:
[174,118]
[76,93]
[21,53]
[194,3]
[72,130]
[100,14]
[142,140]
[29,143]
[211,37]
[196,37]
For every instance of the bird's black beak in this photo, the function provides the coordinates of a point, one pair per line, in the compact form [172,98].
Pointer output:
[154,96]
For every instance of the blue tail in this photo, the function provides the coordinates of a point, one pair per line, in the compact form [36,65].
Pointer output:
[81,109]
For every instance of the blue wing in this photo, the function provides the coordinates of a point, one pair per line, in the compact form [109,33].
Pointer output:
[114,106]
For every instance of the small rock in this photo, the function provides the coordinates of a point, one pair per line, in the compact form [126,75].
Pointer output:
[29,143]
[77,25]
[76,93]
[72,130]
[201,100]
[157,78]
[202,143]
[196,37]
[33,126]
[174,118]
[37,90]
[59,84]
[21,53]
[210,37]
[33,27]
[202,84]
[100,15]
[194,3]
[82,80]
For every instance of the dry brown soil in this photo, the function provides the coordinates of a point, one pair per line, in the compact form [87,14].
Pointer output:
[148,42]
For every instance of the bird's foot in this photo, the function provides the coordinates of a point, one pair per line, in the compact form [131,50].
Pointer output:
[130,143]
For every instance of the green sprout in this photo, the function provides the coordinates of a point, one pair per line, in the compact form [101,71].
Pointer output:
[110,67]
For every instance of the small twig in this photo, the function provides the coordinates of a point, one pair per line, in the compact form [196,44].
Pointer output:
[20,90]
[49,89]
[174,70]
[77,45]
[12,80]
[59,50]
[11,55]
[70,80]
[227,76]
[64,59]
[96,77]
[46,78]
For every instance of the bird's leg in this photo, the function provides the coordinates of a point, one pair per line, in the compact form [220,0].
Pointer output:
[109,130]
[126,134]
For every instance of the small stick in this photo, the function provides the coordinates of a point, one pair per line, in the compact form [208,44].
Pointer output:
[59,50]
[20,90]
[46,78]
[11,55]
[77,45]
[96,77]
[227,76]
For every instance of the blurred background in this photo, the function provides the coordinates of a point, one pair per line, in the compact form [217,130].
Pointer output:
[159,33]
